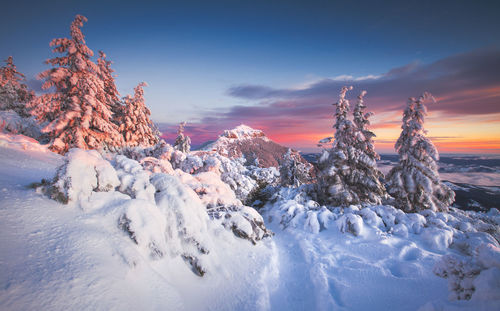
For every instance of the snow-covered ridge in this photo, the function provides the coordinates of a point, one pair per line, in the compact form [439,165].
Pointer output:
[243,131]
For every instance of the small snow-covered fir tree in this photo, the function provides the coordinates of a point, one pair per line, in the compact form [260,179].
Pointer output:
[182,142]
[14,93]
[78,112]
[135,124]
[292,171]
[366,176]
[348,172]
[414,182]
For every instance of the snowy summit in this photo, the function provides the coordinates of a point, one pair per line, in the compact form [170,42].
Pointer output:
[243,131]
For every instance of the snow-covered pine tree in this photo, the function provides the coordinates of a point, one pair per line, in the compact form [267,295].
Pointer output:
[336,164]
[182,142]
[14,93]
[414,182]
[292,171]
[366,176]
[78,111]
[135,124]
[106,75]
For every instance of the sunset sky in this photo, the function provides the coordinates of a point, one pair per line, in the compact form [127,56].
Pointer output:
[279,65]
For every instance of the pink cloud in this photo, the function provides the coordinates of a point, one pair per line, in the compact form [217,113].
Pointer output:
[464,84]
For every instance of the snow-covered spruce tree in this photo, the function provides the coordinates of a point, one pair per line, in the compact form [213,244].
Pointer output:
[106,75]
[366,176]
[78,112]
[348,171]
[292,171]
[335,164]
[414,182]
[14,93]
[135,124]
[182,142]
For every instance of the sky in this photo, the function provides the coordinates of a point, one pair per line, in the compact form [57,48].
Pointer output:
[279,65]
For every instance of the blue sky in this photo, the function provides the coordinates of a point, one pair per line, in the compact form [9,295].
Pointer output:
[193,53]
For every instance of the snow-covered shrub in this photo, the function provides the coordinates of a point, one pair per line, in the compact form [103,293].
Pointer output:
[294,208]
[414,182]
[351,223]
[134,181]
[245,222]
[479,273]
[187,227]
[347,172]
[156,165]
[11,122]
[190,163]
[212,191]
[161,151]
[235,174]
[146,226]
[82,173]
[172,214]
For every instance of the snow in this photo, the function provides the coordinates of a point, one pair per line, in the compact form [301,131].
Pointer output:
[142,237]
[63,257]
[20,142]
[243,131]
[11,122]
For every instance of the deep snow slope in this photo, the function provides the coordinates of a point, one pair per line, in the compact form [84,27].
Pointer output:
[60,257]
[76,257]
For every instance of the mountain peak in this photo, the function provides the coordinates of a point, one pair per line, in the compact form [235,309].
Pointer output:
[243,131]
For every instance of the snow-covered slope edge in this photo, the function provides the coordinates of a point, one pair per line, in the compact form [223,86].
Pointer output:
[108,253]
[105,248]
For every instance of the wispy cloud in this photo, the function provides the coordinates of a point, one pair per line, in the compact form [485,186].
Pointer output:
[465,85]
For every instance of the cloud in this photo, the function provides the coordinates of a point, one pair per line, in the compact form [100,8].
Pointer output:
[464,85]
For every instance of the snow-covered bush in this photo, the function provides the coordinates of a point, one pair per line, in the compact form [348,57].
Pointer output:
[188,229]
[134,181]
[161,151]
[82,173]
[12,122]
[172,214]
[414,182]
[245,222]
[476,276]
